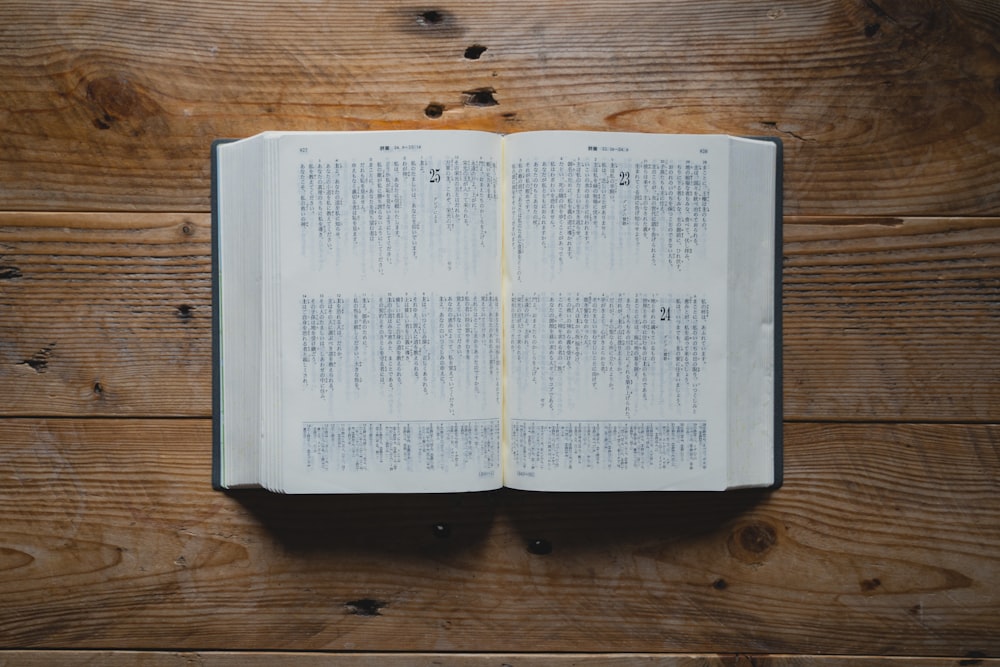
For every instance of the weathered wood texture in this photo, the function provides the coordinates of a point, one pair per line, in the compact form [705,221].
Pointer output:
[106,314]
[885,540]
[885,319]
[85,658]
[886,109]
[892,319]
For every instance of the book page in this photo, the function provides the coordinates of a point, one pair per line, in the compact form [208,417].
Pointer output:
[615,307]
[390,302]
[237,270]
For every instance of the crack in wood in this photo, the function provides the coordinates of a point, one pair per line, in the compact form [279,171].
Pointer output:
[365,607]
[10,272]
[39,361]
[480,97]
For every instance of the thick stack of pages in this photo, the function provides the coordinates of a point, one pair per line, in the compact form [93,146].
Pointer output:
[430,311]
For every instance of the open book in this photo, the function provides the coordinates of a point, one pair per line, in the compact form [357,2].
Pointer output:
[432,311]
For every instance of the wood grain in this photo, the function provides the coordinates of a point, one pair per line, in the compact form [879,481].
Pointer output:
[106,314]
[885,318]
[883,547]
[886,108]
[884,540]
[80,658]
[892,318]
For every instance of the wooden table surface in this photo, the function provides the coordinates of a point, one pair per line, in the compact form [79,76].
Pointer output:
[884,540]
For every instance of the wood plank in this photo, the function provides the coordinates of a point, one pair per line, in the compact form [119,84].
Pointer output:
[106,314]
[43,658]
[892,318]
[885,539]
[113,105]
[887,318]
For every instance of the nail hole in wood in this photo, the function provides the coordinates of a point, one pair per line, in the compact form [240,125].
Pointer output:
[430,17]
[480,97]
[365,607]
[474,52]
[540,547]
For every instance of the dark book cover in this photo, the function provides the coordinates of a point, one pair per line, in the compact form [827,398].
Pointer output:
[216,329]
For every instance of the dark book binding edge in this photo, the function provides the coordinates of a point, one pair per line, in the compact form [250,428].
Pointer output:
[216,330]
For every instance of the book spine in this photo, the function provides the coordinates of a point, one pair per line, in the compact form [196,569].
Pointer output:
[216,329]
